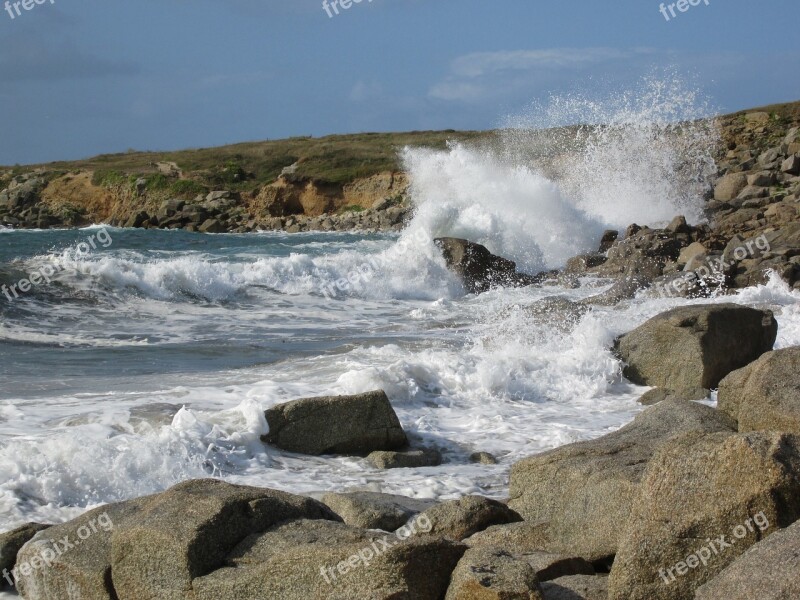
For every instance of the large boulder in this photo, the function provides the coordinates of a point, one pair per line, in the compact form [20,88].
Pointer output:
[70,572]
[696,346]
[152,548]
[459,519]
[765,395]
[479,269]
[704,500]
[10,544]
[373,510]
[729,186]
[770,570]
[319,560]
[584,491]
[356,425]
[491,574]
[189,530]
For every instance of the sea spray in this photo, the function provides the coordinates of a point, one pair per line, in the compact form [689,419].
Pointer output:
[540,196]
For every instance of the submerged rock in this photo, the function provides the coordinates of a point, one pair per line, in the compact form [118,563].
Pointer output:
[478,268]
[354,425]
[410,459]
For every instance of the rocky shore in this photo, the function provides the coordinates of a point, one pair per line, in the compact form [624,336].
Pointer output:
[685,502]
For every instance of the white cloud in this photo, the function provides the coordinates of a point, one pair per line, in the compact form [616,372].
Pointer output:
[489,75]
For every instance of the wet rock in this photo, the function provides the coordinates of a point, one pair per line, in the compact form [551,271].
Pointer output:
[410,459]
[479,269]
[482,458]
[355,425]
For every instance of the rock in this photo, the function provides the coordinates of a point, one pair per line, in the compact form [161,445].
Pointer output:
[153,547]
[762,179]
[577,587]
[584,491]
[459,519]
[582,263]
[696,346]
[679,225]
[489,574]
[698,488]
[305,560]
[552,566]
[218,195]
[690,253]
[159,550]
[478,269]
[657,395]
[212,226]
[168,208]
[623,289]
[729,186]
[74,574]
[387,459]
[482,458]
[765,395]
[752,192]
[10,544]
[522,537]
[356,425]
[791,165]
[372,510]
[137,220]
[609,237]
[769,570]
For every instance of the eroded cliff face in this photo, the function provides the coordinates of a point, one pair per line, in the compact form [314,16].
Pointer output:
[45,199]
[290,198]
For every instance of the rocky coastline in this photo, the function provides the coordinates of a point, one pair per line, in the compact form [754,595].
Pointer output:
[686,502]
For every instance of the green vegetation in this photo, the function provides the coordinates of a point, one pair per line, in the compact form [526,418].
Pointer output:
[110,178]
[244,167]
[352,208]
[187,189]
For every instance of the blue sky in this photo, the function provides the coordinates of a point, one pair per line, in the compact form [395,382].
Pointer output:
[83,77]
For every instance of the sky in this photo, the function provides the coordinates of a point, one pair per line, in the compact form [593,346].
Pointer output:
[84,77]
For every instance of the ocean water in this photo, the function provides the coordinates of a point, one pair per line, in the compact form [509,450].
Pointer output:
[150,358]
